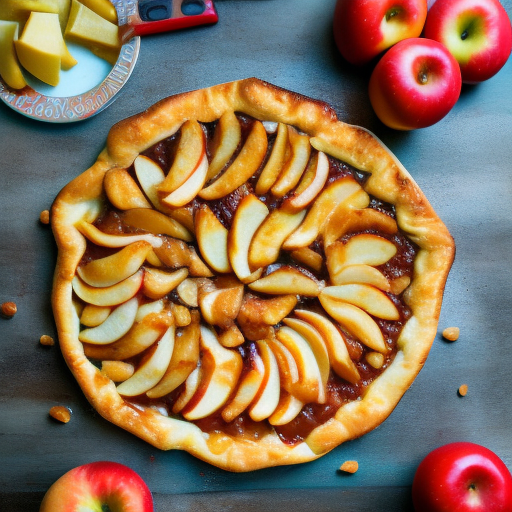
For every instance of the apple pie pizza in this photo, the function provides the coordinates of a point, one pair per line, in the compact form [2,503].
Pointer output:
[242,276]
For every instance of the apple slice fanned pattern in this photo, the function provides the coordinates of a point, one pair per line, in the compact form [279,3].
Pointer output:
[238,277]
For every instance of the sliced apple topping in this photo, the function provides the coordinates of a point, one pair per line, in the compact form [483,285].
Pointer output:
[295,166]
[152,368]
[188,292]
[257,310]
[220,371]
[226,139]
[156,223]
[287,410]
[176,254]
[247,162]
[309,258]
[122,190]
[364,274]
[189,156]
[287,280]
[220,302]
[288,368]
[158,283]
[212,239]
[97,237]
[190,388]
[116,267]
[275,162]
[249,216]
[116,325]
[150,175]
[109,295]
[231,337]
[325,205]
[92,315]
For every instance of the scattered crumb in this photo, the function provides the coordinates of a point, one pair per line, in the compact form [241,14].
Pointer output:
[8,309]
[46,340]
[349,466]
[451,333]
[44,217]
[463,390]
[60,413]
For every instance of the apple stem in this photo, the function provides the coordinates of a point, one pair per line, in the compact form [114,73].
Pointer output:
[392,13]
[464,35]
[422,77]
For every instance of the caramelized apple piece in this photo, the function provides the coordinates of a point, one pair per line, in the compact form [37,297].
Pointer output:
[256,310]
[176,254]
[150,176]
[287,409]
[188,292]
[287,280]
[99,238]
[158,283]
[92,315]
[221,303]
[364,274]
[308,257]
[288,369]
[191,386]
[122,190]
[156,223]
[231,337]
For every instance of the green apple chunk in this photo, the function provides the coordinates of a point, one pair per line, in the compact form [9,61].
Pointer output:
[10,70]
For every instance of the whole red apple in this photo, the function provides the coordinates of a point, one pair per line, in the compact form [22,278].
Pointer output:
[365,28]
[462,477]
[98,486]
[478,34]
[415,84]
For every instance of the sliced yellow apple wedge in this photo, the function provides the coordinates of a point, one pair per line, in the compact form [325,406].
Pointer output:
[367,297]
[10,69]
[221,370]
[287,409]
[212,239]
[231,337]
[288,369]
[227,137]
[149,308]
[364,274]
[266,401]
[106,240]
[150,175]
[122,190]
[183,361]
[117,371]
[188,292]
[363,249]
[156,223]
[287,280]
[191,386]
[274,230]
[244,166]
[324,206]
[92,315]
[116,325]
[357,221]
[275,162]
[356,321]
[310,387]
[109,295]
[399,284]
[271,311]
[116,267]
[104,8]
[295,166]
[339,357]
[175,253]
[308,257]
[247,389]
[158,283]
[152,369]
[221,303]
[250,214]
[190,153]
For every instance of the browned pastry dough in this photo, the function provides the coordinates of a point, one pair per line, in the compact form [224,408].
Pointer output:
[372,265]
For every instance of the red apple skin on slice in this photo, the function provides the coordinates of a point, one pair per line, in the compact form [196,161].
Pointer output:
[150,175]
[122,190]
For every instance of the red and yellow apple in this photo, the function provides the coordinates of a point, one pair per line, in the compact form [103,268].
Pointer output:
[415,84]
[477,33]
[363,29]
[99,485]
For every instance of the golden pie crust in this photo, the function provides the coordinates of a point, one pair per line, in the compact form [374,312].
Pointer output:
[384,181]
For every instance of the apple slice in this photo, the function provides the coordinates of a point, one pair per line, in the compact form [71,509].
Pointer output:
[287,280]
[249,216]
[256,310]
[372,300]
[295,166]
[363,249]
[275,162]
[221,369]
[10,69]
[325,205]
[189,156]
[212,239]
[152,369]
[190,188]
[150,175]
[274,230]
[357,322]
[156,223]
[117,324]
[110,295]
[310,387]
[357,221]
[364,274]
[308,257]
[158,283]
[311,184]
[149,308]
[175,254]
[244,166]
[94,315]
[247,390]
[104,239]
[188,292]
[122,190]
[116,267]
[399,284]
[288,369]
[287,410]
[183,361]
[220,304]
[226,139]
[268,395]
[191,386]
[339,357]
